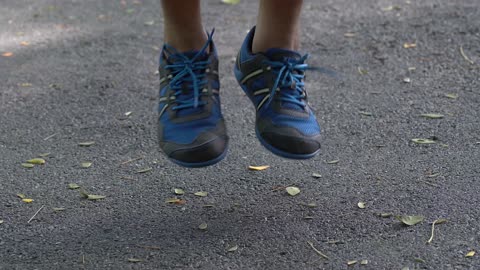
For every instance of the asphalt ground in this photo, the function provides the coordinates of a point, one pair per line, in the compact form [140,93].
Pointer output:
[77,67]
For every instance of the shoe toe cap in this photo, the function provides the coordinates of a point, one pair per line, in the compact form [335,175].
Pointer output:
[296,145]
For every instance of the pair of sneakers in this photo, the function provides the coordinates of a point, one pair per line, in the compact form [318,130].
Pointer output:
[192,131]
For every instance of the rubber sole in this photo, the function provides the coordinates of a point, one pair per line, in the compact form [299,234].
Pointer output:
[201,164]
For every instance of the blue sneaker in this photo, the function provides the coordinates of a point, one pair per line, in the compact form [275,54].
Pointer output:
[285,124]
[191,129]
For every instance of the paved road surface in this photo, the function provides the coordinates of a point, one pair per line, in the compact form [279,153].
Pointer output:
[89,62]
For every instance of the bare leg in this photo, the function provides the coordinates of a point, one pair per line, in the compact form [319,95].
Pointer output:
[183,27]
[278,25]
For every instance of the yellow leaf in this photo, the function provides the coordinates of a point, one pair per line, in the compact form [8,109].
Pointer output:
[86,144]
[178,191]
[231,2]
[364,262]
[25,84]
[361,205]
[27,200]
[86,164]
[21,196]
[203,226]
[407,45]
[134,260]
[37,161]
[470,254]
[351,262]
[201,194]
[232,249]
[333,161]
[28,165]
[258,168]
[292,191]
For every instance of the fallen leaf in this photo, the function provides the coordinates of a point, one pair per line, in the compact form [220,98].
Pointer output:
[44,154]
[364,262]
[465,56]
[92,197]
[316,175]
[423,141]
[21,196]
[86,144]
[349,35]
[317,251]
[308,217]
[128,113]
[231,2]
[390,8]
[433,175]
[175,201]
[86,164]
[292,191]
[58,209]
[36,161]
[95,197]
[362,71]
[406,268]
[333,161]
[410,220]
[312,205]
[25,84]
[201,193]
[134,260]
[419,260]
[27,200]
[130,10]
[432,115]
[258,168]
[1,221]
[178,191]
[28,165]
[361,205]
[408,45]
[470,254]
[24,43]
[144,170]
[411,68]
[232,249]
[365,113]
[437,221]
[203,226]
[7,54]
[149,23]
[386,215]
[73,186]
[451,96]
[349,263]
[407,80]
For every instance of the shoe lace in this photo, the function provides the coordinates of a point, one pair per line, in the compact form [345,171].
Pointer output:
[188,72]
[289,80]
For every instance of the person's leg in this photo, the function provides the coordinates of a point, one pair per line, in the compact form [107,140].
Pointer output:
[277,25]
[183,27]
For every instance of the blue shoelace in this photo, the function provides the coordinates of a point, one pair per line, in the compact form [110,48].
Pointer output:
[289,80]
[190,71]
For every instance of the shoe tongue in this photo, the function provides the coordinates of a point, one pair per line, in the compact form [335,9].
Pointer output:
[175,57]
[281,55]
